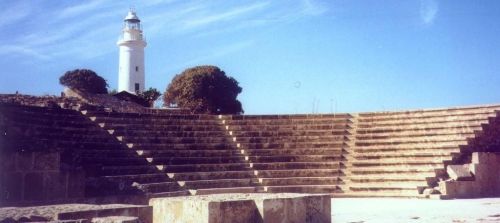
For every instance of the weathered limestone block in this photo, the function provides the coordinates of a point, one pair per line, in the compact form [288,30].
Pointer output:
[116,219]
[24,161]
[141,212]
[257,207]
[484,158]
[55,184]
[12,187]
[459,172]
[8,162]
[76,183]
[46,161]
[486,181]
[33,186]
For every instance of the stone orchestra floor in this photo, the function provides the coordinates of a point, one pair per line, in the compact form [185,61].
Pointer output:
[367,210]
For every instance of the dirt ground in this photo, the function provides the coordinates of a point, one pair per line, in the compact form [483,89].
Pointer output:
[364,210]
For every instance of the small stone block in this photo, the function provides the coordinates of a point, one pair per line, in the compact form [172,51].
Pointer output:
[12,187]
[25,161]
[76,184]
[33,187]
[459,172]
[484,158]
[46,161]
[55,185]
[116,219]
[8,162]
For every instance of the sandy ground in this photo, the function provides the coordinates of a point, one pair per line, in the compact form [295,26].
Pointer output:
[361,210]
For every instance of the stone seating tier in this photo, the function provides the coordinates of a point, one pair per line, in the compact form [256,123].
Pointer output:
[164,154]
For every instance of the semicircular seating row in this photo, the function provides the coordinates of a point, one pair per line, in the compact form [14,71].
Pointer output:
[169,154]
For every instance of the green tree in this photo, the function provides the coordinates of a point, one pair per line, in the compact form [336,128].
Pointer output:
[84,80]
[150,95]
[204,89]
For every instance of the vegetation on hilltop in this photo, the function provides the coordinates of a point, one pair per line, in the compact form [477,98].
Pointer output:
[204,89]
[84,80]
[150,95]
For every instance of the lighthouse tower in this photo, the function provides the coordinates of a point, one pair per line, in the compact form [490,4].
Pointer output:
[131,65]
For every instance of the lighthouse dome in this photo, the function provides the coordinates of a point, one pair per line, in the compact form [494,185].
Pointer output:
[131,17]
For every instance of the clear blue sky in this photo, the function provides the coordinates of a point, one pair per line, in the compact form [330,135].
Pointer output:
[297,56]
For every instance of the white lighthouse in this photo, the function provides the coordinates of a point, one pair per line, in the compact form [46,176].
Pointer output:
[131,65]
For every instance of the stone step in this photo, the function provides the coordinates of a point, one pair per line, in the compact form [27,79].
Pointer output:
[182,146]
[417,133]
[194,176]
[70,137]
[430,112]
[83,145]
[159,187]
[294,139]
[403,130]
[299,151]
[175,140]
[303,189]
[400,169]
[43,123]
[400,160]
[139,178]
[409,155]
[295,165]
[179,128]
[59,130]
[204,167]
[286,173]
[206,191]
[436,119]
[149,169]
[155,121]
[279,120]
[384,186]
[285,117]
[287,127]
[164,160]
[146,115]
[179,193]
[190,153]
[379,193]
[391,178]
[219,183]
[417,126]
[157,133]
[287,145]
[411,146]
[293,158]
[411,140]
[299,181]
[289,133]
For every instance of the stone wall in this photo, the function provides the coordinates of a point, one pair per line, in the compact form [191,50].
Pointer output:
[37,177]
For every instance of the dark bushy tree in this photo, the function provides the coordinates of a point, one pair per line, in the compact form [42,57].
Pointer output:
[150,95]
[204,89]
[84,80]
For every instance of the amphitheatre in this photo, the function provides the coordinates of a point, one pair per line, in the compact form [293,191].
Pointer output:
[95,156]
[85,157]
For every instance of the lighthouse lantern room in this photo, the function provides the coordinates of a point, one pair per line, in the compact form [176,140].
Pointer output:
[131,65]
